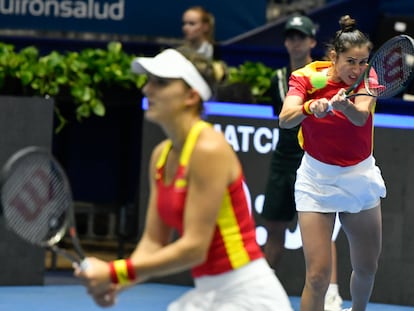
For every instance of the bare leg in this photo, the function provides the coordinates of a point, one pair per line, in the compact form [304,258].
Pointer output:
[333,300]
[316,230]
[364,232]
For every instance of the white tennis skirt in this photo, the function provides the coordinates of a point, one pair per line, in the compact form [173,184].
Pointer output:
[253,287]
[329,188]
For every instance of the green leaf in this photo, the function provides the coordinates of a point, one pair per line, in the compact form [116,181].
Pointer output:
[83,111]
[26,77]
[114,47]
[79,77]
[82,93]
[98,107]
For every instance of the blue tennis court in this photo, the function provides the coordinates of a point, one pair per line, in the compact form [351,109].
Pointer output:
[68,295]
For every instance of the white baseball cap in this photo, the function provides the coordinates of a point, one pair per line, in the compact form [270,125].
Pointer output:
[172,64]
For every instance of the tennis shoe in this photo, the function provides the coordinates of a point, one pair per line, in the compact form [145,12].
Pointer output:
[333,302]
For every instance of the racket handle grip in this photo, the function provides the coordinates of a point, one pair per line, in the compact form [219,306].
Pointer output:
[330,108]
[84,264]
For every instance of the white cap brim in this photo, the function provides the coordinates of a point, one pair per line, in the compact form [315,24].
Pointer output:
[173,65]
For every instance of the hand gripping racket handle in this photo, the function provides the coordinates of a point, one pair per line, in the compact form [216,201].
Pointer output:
[84,264]
[330,108]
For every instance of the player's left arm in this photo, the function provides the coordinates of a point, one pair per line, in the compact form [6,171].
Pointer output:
[155,236]
[212,167]
[356,110]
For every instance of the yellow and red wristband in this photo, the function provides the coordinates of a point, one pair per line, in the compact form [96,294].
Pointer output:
[122,272]
[306,108]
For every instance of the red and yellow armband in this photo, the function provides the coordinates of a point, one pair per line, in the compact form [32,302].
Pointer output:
[306,108]
[122,272]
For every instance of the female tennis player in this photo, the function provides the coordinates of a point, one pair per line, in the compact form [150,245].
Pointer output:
[198,28]
[338,173]
[196,184]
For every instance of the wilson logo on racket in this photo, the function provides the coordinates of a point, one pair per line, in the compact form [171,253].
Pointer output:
[393,65]
[37,202]
[39,195]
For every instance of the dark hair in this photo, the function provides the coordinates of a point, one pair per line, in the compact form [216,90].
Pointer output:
[208,68]
[205,66]
[348,36]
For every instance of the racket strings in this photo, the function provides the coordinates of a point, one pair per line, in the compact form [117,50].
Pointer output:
[393,68]
[34,200]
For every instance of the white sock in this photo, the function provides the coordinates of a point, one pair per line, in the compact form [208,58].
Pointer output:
[332,288]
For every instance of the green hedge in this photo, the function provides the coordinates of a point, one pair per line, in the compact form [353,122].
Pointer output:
[82,76]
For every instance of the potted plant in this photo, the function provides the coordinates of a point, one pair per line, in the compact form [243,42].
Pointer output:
[254,75]
[76,77]
[81,78]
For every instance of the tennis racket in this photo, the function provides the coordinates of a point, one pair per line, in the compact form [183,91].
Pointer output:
[392,65]
[37,202]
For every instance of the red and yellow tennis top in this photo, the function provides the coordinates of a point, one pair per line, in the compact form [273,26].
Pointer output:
[234,241]
[332,139]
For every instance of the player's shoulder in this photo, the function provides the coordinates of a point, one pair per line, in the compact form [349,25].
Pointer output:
[210,142]
[210,136]
[213,152]
[311,68]
[159,148]
[161,145]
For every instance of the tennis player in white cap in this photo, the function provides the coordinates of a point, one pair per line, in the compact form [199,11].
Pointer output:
[196,189]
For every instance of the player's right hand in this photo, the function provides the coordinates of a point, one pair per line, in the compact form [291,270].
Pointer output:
[106,299]
[96,278]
